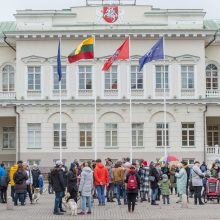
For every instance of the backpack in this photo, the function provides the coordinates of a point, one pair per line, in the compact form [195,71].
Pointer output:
[132,182]
[19,178]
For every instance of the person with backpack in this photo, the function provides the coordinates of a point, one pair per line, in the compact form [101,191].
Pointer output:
[20,188]
[35,175]
[132,184]
[4,180]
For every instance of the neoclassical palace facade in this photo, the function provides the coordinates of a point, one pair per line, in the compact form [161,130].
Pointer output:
[29,91]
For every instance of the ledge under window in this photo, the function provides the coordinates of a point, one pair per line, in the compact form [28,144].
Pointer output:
[137,147]
[8,148]
[188,146]
[85,147]
[34,148]
[109,147]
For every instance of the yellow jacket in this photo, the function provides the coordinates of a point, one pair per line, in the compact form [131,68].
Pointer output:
[11,174]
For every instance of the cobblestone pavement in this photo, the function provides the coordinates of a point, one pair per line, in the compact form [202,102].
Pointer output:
[43,211]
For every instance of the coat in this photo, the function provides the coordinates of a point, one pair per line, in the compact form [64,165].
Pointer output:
[57,180]
[86,182]
[35,175]
[144,178]
[164,185]
[71,182]
[154,172]
[11,174]
[20,188]
[181,178]
[197,176]
[101,175]
[118,174]
[133,172]
[172,178]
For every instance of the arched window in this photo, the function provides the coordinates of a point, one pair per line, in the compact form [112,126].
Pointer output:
[8,82]
[211,77]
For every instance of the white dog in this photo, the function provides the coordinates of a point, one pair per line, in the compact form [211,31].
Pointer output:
[70,204]
[36,195]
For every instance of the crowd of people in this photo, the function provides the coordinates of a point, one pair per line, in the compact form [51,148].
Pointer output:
[120,182]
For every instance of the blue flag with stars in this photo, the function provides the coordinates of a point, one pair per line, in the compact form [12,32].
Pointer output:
[155,53]
[59,68]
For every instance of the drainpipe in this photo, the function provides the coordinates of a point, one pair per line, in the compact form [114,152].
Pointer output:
[5,40]
[214,38]
[18,149]
[205,132]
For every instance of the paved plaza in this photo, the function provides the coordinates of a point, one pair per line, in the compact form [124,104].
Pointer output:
[43,211]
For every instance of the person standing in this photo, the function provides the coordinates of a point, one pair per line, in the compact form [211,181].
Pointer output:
[4,180]
[101,176]
[132,184]
[165,188]
[173,179]
[110,188]
[57,181]
[85,188]
[35,175]
[29,181]
[11,176]
[50,188]
[72,188]
[20,187]
[197,183]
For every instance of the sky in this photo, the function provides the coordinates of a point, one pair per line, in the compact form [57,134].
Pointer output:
[9,7]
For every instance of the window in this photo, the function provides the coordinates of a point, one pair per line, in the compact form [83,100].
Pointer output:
[161,135]
[85,134]
[34,135]
[211,77]
[188,134]
[190,161]
[187,76]
[34,74]
[63,161]
[160,77]
[8,164]
[9,137]
[8,81]
[111,135]
[212,135]
[33,161]
[85,77]
[136,78]
[56,134]
[137,134]
[111,78]
[56,78]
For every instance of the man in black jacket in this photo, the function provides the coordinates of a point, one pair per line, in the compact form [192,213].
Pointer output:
[57,182]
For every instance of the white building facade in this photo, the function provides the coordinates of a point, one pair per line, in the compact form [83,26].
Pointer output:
[29,97]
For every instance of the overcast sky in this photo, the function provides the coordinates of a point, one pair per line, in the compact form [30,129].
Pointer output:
[9,7]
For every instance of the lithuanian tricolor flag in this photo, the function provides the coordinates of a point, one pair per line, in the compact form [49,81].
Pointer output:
[85,50]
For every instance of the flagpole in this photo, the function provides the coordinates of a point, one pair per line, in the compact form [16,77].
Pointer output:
[60,129]
[164,101]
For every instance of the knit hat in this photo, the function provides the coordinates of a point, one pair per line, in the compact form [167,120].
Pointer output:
[164,176]
[144,163]
[72,165]
[59,163]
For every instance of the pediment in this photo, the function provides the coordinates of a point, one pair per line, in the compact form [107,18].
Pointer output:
[54,59]
[188,58]
[33,59]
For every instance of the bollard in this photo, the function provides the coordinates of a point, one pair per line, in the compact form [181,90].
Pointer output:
[184,201]
[10,204]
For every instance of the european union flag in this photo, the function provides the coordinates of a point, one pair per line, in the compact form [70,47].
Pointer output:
[59,68]
[155,53]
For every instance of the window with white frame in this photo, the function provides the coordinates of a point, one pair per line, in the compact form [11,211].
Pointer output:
[33,161]
[34,135]
[56,78]
[161,134]
[187,76]
[211,77]
[188,134]
[160,76]
[111,78]
[85,77]
[34,78]
[111,135]
[56,134]
[9,137]
[8,81]
[136,77]
[212,135]
[137,134]
[85,134]
[8,164]
[189,161]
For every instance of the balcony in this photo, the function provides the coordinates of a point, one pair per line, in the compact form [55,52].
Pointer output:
[212,153]
[187,93]
[211,93]
[111,93]
[7,95]
[85,92]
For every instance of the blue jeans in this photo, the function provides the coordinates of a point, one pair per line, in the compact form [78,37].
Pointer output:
[154,193]
[84,200]
[21,197]
[120,189]
[58,201]
[101,194]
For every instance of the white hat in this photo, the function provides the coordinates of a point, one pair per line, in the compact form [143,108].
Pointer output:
[59,163]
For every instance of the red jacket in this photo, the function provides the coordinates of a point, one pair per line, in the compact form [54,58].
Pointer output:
[101,175]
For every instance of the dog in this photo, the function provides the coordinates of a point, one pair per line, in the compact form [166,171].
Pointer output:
[69,204]
[36,195]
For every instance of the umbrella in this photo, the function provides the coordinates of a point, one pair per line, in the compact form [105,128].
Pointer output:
[169,158]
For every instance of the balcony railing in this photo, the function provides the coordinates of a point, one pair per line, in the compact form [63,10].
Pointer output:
[187,93]
[85,92]
[212,93]
[7,95]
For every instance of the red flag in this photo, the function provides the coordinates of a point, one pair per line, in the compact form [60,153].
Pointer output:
[122,53]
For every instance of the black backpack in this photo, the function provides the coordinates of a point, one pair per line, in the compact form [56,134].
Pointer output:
[19,178]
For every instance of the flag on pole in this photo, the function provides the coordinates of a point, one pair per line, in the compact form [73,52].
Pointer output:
[85,50]
[59,69]
[122,53]
[155,53]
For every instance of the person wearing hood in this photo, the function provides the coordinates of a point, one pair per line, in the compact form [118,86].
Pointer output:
[132,184]
[101,176]
[144,178]
[35,175]
[164,185]
[72,188]
[57,182]
[12,171]
[85,188]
